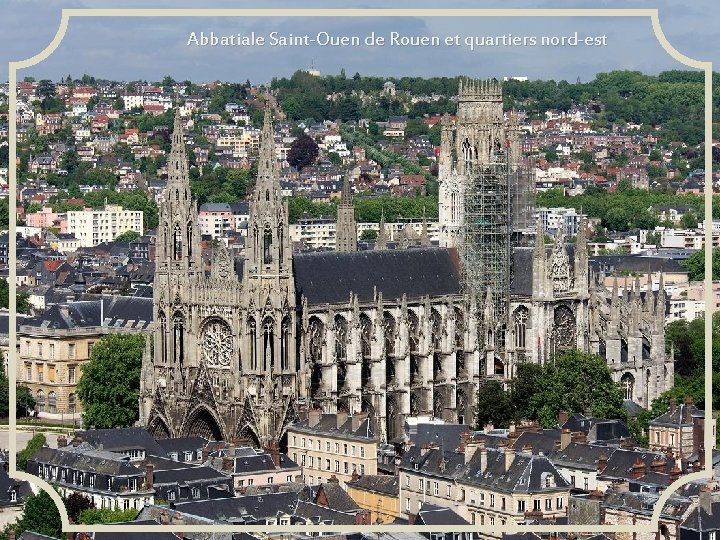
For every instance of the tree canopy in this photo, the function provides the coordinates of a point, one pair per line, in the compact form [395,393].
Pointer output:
[40,515]
[695,265]
[303,152]
[110,382]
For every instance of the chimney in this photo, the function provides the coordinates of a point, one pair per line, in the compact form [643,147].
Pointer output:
[706,499]
[698,433]
[221,445]
[579,437]
[483,458]
[177,519]
[675,473]
[565,438]
[527,448]
[509,457]
[697,466]
[314,417]
[62,441]
[363,517]
[658,465]
[465,437]
[638,469]
[687,413]
[701,455]
[205,453]
[563,417]
[341,417]
[354,477]
[602,461]
[427,447]
[358,419]
[164,518]
[149,476]
[275,453]
[673,405]
[227,463]
[489,428]
[334,479]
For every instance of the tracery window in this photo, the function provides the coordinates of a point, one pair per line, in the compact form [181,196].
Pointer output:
[627,383]
[520,320]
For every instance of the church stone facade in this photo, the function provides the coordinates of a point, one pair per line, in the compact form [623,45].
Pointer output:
[241,350]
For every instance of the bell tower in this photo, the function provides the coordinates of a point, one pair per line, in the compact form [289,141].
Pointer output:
[269,355]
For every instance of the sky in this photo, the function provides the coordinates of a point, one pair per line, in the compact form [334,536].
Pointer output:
[151,47]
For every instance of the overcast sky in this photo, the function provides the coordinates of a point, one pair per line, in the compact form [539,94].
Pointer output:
[149,48]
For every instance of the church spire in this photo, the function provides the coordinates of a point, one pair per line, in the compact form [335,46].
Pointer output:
[424,235]
[346,229]
[266,178]
[177,161]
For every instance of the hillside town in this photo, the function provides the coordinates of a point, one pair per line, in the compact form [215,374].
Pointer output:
[174,238]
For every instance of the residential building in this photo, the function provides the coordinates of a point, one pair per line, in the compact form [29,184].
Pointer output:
[93,227]
[326,445]
[380,494]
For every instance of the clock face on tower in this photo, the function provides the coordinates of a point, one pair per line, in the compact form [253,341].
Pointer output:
[216,343]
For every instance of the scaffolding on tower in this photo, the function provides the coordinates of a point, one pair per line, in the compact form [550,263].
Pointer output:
[486,240]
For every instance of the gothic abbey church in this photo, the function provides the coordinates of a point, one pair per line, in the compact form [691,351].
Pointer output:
[242,350]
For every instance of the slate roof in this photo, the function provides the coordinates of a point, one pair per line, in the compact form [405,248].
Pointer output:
[525,474]
[182,444]
[118,311]
[337,498]
[87,460]
[620,464]
[430,514]
[328,425]
[378,483]
[676,418]
[542,441]
[644,503]
[30,535]
[261,462]
[447,436]
[699,520]
[317,514]
[329,277]
[522,280]
[434,462]
[188,474]
[119,439]
[241,509]
[636,263]
[597,429]
[580,455]
[159,535]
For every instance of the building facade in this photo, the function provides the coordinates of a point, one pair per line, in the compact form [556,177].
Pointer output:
[244,350]
[93,227]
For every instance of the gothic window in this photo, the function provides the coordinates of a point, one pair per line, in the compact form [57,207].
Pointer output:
[500,337]
[648,376]
[435,328]
[391,416]
[413,325]
[280,244]
[285,344]
[217,345]
[341,337]
[563,334]
[163,337]
[438,404]
[467,151]
[365,334]
[267,246]
[267,194]
[177,195]
[459,329]
[461,403]
[316,336]
[437,366]
[252,331]
[389,332]
[627,383]
[189,239]
[179,337]
[520,319]
[268,343]
[414,404]
[414,369]
[177,243]
[499,367]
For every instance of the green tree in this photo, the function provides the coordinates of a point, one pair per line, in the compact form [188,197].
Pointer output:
[34,444]
[127,236]
[523,387]
[110,383]
[302,152]
[574,382]
[93,516]
[76,503]
[368,234]
[24,401]
[493,406]
[40,515]
[695,265]
[689,221]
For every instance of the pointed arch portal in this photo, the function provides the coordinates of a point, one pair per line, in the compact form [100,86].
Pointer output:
[203,424]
